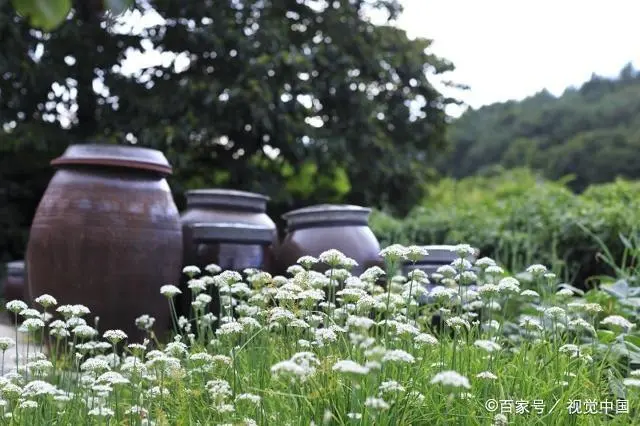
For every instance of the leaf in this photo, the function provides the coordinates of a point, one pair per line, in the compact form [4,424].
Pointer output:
[619,289]
[117,7]
[43,14]
[616,386]
[606,336]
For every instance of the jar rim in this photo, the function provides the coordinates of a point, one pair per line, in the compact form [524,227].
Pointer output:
[123,156]
[231,198]
[320,213]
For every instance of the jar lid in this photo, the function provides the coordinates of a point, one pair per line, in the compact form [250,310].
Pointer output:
[441,254]
[132,157]
[327,213]
[15,267]
[231,233]
[227,198]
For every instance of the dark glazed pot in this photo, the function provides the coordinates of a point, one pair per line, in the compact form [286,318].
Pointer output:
[107,235]
[14,284]
[240,211]
[232,246]
[313,230]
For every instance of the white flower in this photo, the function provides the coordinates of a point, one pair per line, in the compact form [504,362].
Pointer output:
[537,270]
[530,294]
[254,399]
[229,329]
[376,404]
[617,321]
[425,339]
[452,379]
[487,345]
[101,411]
[6,343]
[28,404]
[509,285]
[196,285]
[494,270]
[592,308]
[46,300]
[170,291]
[38,388]
[32,324]
[500,420]
[16,306]
[415,253]
[555,313]
[112,378]
[84,331]
[145,322]
[191,271]
[307,261]
[398,355]
[349,367]
[394,252]
[114,336]
[486,375]
[333,258]
[457,323]
[95,365]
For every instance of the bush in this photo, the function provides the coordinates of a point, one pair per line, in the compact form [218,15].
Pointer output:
[516,217]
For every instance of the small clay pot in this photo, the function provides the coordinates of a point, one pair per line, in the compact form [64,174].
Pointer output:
[225,218]
[313,230]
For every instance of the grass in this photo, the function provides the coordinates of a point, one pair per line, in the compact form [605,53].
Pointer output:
[333,348]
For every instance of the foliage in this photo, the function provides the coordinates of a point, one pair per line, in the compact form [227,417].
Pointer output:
[298,100]
[47,15]
[516,216]
[591,133]
[282,354]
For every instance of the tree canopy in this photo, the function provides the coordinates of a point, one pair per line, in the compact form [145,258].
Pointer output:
[591,133]
[304,100]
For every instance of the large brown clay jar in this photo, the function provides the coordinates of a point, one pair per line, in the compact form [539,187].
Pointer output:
[313,230]
[232,246]
[107,235]
[237,209]
[14,284]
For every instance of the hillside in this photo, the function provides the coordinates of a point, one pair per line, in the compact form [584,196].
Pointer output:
[591,132]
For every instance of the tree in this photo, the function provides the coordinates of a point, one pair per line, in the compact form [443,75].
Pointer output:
[591,133]
[259,95]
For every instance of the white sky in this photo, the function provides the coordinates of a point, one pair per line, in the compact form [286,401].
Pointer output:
[510,49]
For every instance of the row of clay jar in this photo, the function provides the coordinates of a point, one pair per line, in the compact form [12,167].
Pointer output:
[107,234]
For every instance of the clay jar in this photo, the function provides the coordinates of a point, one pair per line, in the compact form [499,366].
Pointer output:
[239,211]
[107,235]
[14,284]
[315,229]
[232,246]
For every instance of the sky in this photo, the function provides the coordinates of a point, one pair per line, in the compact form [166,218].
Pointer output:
[506,49]
[511,49]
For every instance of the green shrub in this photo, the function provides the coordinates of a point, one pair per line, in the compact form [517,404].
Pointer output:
[515,217]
